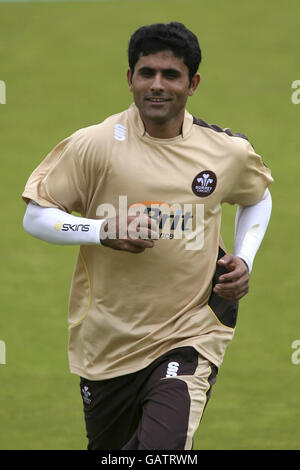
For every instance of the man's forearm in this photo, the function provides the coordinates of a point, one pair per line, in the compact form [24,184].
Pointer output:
[56,226]
[250,227]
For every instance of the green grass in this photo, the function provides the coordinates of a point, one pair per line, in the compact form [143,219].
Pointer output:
[64,67]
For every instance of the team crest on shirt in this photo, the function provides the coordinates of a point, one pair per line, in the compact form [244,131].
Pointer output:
[204,183]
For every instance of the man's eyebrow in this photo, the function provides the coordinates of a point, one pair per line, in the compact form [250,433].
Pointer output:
[169,70]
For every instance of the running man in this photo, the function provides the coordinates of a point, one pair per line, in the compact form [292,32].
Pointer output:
[154,295]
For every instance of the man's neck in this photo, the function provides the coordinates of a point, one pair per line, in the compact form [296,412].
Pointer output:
[166,130]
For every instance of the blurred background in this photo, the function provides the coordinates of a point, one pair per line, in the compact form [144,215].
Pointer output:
[64,66]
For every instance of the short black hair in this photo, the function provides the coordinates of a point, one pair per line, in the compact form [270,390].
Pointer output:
[158,37]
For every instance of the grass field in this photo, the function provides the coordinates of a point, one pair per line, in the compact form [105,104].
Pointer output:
[64,67]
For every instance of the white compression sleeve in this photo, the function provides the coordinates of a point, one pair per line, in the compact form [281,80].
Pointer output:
[56,226]
[250,227]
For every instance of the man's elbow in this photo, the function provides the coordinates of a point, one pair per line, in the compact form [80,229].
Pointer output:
[29,221]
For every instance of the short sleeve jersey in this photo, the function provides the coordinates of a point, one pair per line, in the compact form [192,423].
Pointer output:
[125,309]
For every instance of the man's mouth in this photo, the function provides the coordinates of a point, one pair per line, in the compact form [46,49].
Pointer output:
[157,100]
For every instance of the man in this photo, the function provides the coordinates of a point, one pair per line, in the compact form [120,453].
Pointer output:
[148,332]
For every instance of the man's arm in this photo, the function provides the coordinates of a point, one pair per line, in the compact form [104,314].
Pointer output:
[250,227]
[56,226]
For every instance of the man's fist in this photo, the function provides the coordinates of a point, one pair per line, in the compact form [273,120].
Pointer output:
[139,233]
[234,284]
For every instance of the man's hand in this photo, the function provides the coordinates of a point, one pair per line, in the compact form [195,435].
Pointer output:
[140,231]
[234,284]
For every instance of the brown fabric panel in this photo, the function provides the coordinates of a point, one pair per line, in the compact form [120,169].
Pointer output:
[214,127]
[225,310]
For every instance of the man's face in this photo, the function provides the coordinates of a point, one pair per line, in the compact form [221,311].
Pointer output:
[160,86]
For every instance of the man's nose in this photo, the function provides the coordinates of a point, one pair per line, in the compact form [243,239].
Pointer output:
[157,83]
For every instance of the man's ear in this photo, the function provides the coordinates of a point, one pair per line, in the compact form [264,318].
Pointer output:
[194,84]
[129,79]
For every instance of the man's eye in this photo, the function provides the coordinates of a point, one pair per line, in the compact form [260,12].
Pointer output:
[146,73]
[172,75]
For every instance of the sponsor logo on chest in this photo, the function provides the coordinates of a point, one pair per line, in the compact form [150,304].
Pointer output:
[119,132]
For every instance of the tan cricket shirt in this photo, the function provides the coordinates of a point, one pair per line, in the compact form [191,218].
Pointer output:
[127,309]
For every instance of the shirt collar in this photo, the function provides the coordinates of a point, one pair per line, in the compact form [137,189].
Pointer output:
[139,125]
